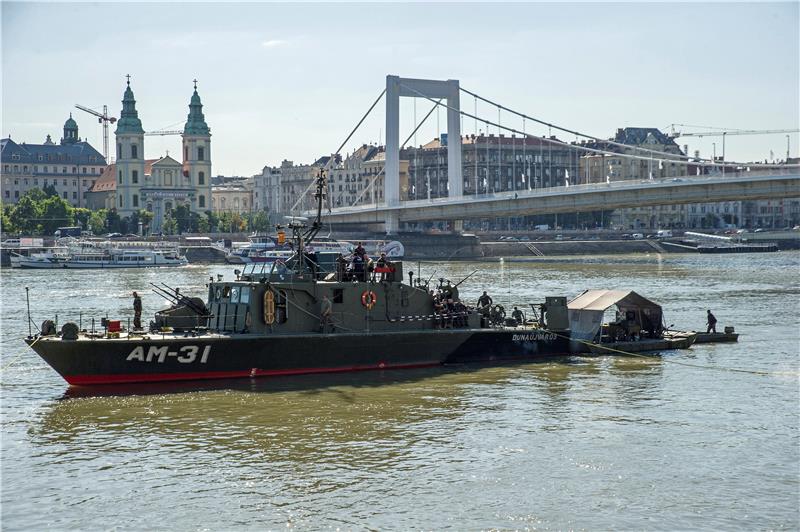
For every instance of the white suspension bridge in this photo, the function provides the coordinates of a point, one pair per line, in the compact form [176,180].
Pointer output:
[535,189]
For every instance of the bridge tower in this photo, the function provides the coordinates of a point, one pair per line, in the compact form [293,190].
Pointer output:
[417,88]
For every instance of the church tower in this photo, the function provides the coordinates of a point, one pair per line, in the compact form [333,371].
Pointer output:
[70,132]
[197,154]
[130,156]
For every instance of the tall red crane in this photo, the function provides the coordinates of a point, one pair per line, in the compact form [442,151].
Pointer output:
[104,119]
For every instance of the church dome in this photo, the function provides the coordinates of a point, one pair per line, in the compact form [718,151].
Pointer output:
[70,131]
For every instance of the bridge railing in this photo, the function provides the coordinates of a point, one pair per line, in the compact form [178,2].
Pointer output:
[730,175]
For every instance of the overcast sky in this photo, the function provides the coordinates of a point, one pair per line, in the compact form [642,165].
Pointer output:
[281,81]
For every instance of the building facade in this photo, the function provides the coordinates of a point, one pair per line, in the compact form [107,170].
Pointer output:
[159,185]
[267,192]
[232,194]
[359,178]
[296,182]
[71,166]
[492,164]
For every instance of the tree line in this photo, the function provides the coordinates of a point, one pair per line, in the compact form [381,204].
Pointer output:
[43,211]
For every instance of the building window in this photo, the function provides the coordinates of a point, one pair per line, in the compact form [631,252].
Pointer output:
[120,177]
[135,176]
[16,168]
[84,169]
[202,201]
[65,182]
[201,178]
[8,193]
[74,170]
[74,182]
[35,169]
[135,200]
[186,153]
[36,182]
[45,169]
[16,194]
[201,154]
[74,195]
[134,151]
[5,168]
[94,170]
[119,151]
[64,194]
[120,201]
[63,169]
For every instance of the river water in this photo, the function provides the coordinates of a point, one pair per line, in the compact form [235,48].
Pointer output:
[580,443]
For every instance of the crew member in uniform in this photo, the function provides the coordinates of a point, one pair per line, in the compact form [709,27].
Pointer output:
[326,310]
[518,315]
[137,311]
[484,303]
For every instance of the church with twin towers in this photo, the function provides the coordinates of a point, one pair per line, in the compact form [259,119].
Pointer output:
[159,185]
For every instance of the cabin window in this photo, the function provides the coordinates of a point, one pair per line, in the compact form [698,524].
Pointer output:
[226,292]
[244,297]
[338,295]
[234,294]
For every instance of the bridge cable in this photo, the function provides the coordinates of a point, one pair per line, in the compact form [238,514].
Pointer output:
[330,161]
[403,145]
[665,155]
[586,148]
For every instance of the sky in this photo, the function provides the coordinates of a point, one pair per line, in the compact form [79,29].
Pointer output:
[290,81]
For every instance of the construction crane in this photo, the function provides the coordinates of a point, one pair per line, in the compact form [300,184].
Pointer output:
[104,119]
[165,132]
[723,133]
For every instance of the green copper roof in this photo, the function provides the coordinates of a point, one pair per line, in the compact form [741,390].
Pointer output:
[70,123]
[129,118]
[196,122]
[70,131]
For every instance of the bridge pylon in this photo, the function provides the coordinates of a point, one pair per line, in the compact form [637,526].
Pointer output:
[397,87]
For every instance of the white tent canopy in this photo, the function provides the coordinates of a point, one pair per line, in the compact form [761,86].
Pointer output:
[586,311]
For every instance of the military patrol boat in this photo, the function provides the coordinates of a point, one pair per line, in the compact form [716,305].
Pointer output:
[316,312]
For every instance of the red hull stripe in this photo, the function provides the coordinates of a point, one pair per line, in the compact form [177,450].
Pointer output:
[202,375]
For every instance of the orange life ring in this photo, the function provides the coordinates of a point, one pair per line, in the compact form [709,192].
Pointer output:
[368,299]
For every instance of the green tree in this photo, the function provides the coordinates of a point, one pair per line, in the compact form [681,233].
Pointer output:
[55,212]
[37,194]
[259,221]
[202,224]
[97,222]
[184,220]
[81,216]
[146,217]
[170,226]
[26,214]
[213,221]
[5,220]
[114,222]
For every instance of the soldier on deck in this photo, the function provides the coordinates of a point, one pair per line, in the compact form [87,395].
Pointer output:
[325,315]
[518,316]
[484,303]
[137,311]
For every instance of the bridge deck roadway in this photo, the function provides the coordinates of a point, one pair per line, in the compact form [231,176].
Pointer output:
[581,198]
